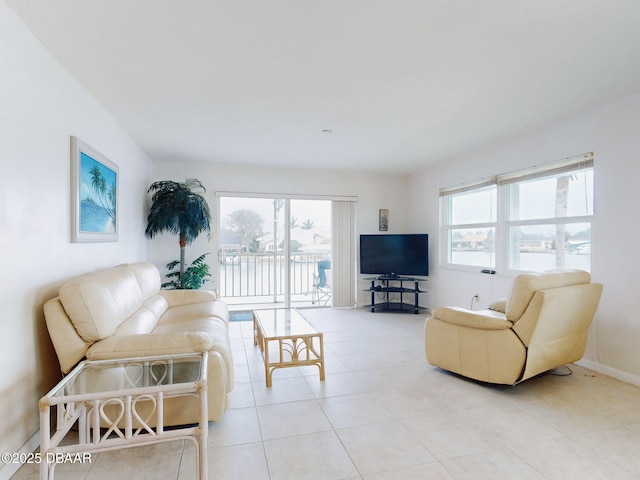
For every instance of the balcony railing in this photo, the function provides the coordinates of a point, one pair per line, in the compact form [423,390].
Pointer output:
[263,275]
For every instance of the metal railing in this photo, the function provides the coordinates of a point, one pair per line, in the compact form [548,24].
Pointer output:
[262,274]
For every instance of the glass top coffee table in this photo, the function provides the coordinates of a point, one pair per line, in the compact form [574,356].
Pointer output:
[125,398]
[286,340]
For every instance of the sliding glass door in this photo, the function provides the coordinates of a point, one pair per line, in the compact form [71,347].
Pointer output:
[310,251]
[275,251]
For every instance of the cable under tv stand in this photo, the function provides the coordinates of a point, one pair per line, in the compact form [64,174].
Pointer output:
[386,285]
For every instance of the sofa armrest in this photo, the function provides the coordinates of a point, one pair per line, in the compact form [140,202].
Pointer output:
[149,344]
[481,319]
[185,297]
[70,347]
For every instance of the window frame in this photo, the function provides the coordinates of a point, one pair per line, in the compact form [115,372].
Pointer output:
[503,224]
[448,227]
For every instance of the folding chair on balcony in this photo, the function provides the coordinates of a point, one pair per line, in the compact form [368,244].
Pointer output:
[321,293]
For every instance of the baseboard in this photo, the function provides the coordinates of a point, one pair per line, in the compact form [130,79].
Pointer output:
[10,469]
[610,372]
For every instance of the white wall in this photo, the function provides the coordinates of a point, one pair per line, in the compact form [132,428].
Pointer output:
[613,134]
[374,191]
[41,106]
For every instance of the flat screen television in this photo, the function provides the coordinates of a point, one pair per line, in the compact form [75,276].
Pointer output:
[394,254]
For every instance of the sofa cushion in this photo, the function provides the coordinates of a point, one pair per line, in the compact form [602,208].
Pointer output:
[99,303]
[131,346]
[525,285]
[147,277]
[184,297]
[145,319]
[217,331]
[195,311]
[156,305]
[142,321]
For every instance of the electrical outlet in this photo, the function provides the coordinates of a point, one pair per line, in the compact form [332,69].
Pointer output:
[476,298]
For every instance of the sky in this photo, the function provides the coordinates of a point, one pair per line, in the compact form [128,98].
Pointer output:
[535,201]
[86,164]
[318,211]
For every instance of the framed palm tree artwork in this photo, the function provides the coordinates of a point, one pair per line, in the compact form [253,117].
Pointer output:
[94,195]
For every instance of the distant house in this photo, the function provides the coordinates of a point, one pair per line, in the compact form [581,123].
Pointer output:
[309,240]
[472,241]
[536,243]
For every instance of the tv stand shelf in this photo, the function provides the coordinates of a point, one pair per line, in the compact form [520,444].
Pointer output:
[387,285]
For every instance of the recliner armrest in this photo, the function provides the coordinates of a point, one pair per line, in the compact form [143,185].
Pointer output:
[481,319]
[149,344]
[499,305]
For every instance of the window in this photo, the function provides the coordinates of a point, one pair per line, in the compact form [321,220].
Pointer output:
[533,220]
[471,227]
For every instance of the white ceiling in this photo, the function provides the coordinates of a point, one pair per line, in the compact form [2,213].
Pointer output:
[399,83]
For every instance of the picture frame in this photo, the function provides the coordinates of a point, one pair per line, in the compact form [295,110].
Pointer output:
[383,219]
[94,195]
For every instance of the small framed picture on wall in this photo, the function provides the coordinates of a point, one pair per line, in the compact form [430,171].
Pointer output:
[383,219]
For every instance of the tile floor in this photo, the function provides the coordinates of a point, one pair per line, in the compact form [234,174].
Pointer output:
[384,413]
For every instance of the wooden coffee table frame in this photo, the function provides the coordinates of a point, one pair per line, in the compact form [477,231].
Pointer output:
[297,346]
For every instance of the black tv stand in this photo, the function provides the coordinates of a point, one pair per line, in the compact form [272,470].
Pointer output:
[388,284]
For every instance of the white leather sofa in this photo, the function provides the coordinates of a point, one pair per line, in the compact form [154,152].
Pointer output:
[122,312]
[543,324]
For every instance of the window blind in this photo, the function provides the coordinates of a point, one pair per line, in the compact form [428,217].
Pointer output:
[343,262]
[570,164]
[558,168]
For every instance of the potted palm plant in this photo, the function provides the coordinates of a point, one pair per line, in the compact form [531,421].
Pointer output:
[192,278]
[179,208]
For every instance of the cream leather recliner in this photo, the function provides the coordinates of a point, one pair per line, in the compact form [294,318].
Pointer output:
[543,324]
[121,312]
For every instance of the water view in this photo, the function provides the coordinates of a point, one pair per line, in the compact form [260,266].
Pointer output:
[527,261]
[94,218]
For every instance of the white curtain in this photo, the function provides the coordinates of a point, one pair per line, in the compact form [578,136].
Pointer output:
[343,264]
